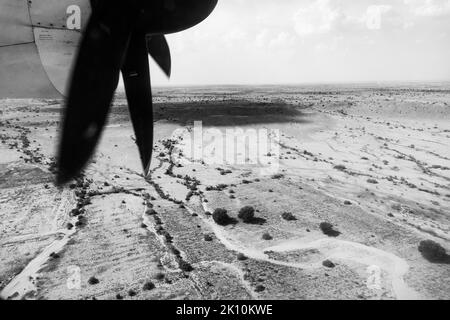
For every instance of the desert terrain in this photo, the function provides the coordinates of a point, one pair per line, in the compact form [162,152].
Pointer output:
[357,178]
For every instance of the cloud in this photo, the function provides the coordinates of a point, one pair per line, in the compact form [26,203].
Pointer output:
[374,16]
[430,8]
[316,18]
[283,39]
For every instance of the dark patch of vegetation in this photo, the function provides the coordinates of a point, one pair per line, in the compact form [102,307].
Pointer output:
[132,293]
[160,276]
[340,167]
[372,181]
[208,238]
[221,217]
[54,255]
[241,257]
[81,221]
[278,176]
[328,229]
[119,296]
[185,266]
[288,216]
[260,288]
[219,187]
[148,286]
[247,214]
[93,281]
[347,203]
[328,264]
[433,252]
[267,236]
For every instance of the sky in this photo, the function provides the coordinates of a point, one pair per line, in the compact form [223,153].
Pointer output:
[313,41]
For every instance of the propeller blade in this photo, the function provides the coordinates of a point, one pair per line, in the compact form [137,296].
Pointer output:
[169,16]
[94,80]
[158,48]
[136,77]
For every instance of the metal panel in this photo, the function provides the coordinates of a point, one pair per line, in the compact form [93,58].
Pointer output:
[57,50]
[22,74]
[55,13]
[57,45]
[15,24]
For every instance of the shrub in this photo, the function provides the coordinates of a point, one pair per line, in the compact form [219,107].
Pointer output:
[288,216]
[185,266]
[328,264]
[149,286]
[260,288]
[372,181]
[54,255]
[208,238]
[93,281]
[160,276]
[220,216]
[267,236]
[432,251]
[340,167]
[241,257]
[328,229]
[247,214]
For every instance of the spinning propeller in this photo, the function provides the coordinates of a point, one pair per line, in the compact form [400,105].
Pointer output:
[118,37]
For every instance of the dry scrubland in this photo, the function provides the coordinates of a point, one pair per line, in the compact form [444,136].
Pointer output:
[364,179]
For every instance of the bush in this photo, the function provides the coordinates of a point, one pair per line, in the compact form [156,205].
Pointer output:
[220,216]
[247,214]
[267,236]
[93,281]
[328,264]
[288,216]
[208,238]
[260,288]
[241,257]
[433,251]
[149,286]
[160,276]
[185,266]
[328,229]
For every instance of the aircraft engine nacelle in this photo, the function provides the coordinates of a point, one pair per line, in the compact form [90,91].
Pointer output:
[38,44]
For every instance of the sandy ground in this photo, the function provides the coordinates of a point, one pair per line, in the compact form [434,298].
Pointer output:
[372,161]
